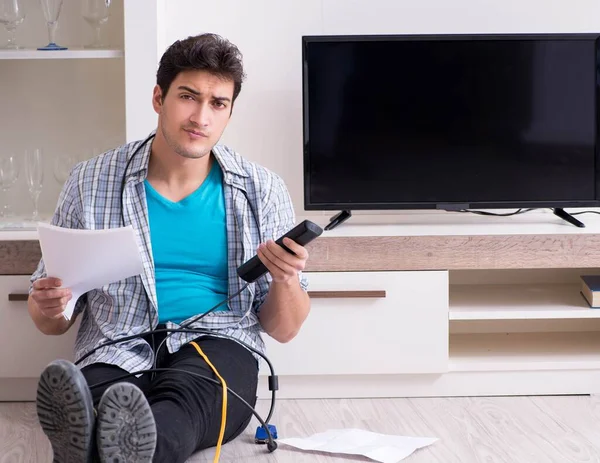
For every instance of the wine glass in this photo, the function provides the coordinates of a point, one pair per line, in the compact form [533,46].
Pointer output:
[51,9]
[95,12]
[34,170]
[62,167]
[12,15]
[9,173]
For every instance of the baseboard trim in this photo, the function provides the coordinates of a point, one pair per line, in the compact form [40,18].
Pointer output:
[452,384]
[18,389]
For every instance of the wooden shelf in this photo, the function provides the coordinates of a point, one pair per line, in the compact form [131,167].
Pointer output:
[454,252]
[524,351]
[519,302]
[71,53]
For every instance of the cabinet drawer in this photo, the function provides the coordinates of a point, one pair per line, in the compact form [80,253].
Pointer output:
[25,350]
[369,323]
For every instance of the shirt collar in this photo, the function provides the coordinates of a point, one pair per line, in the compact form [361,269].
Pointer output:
[229,162]
[139,157]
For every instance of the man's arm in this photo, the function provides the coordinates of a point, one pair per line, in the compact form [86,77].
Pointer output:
[46,300]
[287,305]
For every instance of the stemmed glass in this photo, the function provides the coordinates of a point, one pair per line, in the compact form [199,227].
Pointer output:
[34,170]
[11,15]
[9,173]
[62,167]
[51,9]
[95,12]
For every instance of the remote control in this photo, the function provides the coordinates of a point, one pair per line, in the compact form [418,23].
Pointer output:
[303,233]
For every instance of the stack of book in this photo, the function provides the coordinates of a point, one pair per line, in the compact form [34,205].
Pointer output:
[590,289]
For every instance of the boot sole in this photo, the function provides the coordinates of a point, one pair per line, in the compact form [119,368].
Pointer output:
[126,431]
[66,413]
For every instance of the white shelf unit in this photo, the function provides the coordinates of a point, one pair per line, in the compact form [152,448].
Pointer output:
[71,53]
[524,351]
[509,321]
[77,102]
[518,302]
[510,332]
[70,103]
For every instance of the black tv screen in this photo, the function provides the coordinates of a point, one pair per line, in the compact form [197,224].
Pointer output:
[435,121]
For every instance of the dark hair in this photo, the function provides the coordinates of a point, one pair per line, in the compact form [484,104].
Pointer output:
[208,52]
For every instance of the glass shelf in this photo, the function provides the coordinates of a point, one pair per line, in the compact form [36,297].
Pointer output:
[71,53]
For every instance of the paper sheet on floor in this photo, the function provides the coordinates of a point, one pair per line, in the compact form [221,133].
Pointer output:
[88,259]
[384,448]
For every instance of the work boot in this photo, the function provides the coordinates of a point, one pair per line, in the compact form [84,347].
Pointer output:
[126,431]
[66,412]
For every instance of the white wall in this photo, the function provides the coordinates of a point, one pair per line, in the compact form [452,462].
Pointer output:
[266,125]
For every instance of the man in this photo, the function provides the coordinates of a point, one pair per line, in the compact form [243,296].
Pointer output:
[199,211]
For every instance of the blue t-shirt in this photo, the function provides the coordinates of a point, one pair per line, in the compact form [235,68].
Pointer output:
[189,247]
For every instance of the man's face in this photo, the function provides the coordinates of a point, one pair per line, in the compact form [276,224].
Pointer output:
[194,113]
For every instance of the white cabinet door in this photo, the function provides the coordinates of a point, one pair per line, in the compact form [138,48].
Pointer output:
[406,331]
[25,350]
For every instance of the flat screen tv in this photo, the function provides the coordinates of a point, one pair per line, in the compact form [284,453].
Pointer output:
[451,121]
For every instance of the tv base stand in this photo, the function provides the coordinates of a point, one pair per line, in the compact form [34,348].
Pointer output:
[338,219]
[560,212]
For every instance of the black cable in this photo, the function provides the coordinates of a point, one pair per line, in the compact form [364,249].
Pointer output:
[198,318]
[148,312]
[518,211]
[180,330]
[271,444]
[123,180]
[273,379]
[584,212]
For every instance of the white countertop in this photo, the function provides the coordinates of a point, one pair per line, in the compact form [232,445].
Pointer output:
[411,223]
[19,228]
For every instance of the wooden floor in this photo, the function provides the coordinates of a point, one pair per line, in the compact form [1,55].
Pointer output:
[498,429]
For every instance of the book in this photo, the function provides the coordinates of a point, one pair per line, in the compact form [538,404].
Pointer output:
[590,289]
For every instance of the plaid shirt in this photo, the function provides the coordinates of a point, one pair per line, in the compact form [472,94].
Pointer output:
[258,208]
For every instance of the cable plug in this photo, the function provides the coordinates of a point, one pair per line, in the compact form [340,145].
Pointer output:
[273,383]
[261,436]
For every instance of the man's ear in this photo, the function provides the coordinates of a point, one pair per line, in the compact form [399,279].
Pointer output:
[157,99]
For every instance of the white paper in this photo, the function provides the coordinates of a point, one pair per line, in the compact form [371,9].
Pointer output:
[88,259]
[384,448]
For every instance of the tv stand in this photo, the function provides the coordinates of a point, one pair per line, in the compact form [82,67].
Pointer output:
[560,212]
[490,307]
[338,219]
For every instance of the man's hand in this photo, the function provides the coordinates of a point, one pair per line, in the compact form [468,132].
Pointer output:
[287,304]
[50,298]
[282,265]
